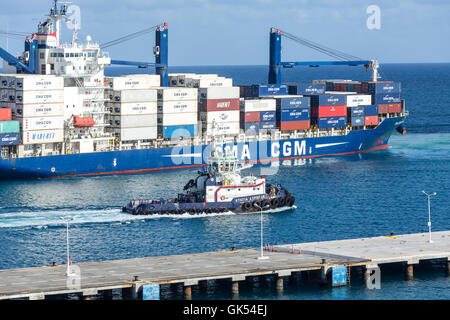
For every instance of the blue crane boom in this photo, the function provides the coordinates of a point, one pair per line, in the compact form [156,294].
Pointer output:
[275,63]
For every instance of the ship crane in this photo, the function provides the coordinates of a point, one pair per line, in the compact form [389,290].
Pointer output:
[275,63]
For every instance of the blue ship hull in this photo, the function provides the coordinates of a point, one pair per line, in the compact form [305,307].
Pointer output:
[145,160]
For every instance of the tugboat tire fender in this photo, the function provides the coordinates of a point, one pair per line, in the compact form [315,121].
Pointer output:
[275,203]
[282,202]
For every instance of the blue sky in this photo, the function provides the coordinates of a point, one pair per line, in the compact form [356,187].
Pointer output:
[232,32]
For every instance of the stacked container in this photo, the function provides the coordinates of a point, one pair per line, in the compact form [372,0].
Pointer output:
[385,94]
[258,114]
[39,108]
[293,113]
[329,110]
[177,112]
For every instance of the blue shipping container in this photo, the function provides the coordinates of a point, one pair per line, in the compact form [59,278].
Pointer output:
[307,88]
[371,110]
[386,98]
[329,100]
[291,103]
[252,126]
[300,114]
[261,90]
[189,130]
[9,139]
[267,125]
[357,121]
[333,122]
[377,88]
[357,111]
[268,116]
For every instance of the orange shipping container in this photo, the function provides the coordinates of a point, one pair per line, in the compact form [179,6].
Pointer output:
[5,114]
[371,120]
[294,125]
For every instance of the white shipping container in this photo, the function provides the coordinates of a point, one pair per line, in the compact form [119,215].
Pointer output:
[219,93]
[258,105]
[127,83]
[225,128]
[7,81]
[42,136]
[355,100]
[176,94]
[39,110]
[134,121]
[154,79]
[176,119]
[212,83]
[42,96]
[188,106]
[44,123]
[220,116]
[144,133]
[145,95]
[39,82]
[134,108]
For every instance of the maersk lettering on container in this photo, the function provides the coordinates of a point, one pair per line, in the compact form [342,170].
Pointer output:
[42,136]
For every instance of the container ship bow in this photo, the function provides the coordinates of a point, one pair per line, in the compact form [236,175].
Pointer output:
[61,116]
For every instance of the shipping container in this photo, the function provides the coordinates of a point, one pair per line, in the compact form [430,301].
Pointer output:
[251,116]
[328,111]
[133,108]
[329,100]
[39,110]
[126,96]
[294,125]
[143,133]
[356,111]
[292,102]
[43,136]
[135,121]
[178,131]
[332,122]
[219,93]
[357,121]
[251,126]
[354,100]
[267,125]
[9,139]
[210,83]
[220,116]
[386,98]
[9,126]
[262,90]
[134,82]
[308,89]
[5,114]
[245,91]
[39,82]
[258,105]
[371,120]
[371,110]
[223,128]
[380,87]
[33,97]
[382,108]
[176,119]
[300,114]
[394,108]
[43,123]
[177,94]
[268,116]
[219,105]
[184,106]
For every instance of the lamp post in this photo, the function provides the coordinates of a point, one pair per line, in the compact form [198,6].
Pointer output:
[261,210]
[67,243]
[429,212]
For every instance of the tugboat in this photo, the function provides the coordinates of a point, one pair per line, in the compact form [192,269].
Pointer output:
[220,188]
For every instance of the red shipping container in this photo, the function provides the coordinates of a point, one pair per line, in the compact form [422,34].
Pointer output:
[5,114]
[382,108]
[394,108]
[294,125]
[329,111]
[251,116]
[81,122]
[371,120]
[206,105]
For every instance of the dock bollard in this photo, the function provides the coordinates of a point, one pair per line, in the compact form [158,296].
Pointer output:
[187,292]
[235,287]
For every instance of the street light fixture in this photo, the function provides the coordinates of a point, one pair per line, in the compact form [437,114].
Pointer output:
[262,257]
[67,243]
[429,212]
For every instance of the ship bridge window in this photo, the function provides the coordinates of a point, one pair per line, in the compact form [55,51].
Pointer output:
[72,54]
[67,55]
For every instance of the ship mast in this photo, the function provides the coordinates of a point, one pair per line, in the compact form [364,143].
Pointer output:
[57,15]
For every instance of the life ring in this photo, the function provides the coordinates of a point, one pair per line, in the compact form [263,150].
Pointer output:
[247,206]
[222,198]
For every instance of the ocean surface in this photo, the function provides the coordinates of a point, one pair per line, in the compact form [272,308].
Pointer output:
[363,195]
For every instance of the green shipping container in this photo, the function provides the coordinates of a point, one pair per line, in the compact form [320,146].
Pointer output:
[9,126]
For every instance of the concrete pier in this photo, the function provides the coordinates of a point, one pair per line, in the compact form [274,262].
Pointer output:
[236,265]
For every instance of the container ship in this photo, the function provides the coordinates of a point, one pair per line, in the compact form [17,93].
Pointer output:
[61,116]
